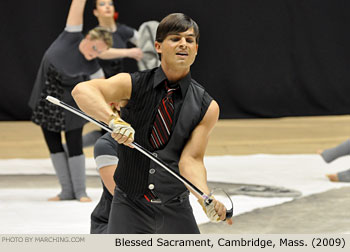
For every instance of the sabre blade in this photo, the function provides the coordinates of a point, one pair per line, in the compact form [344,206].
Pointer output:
[78,113]
[136,146]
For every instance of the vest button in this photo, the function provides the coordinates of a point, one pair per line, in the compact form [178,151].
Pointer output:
[151,186]
[152,171]
[155,154]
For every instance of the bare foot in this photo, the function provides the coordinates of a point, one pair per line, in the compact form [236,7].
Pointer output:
[56,198]
[85,199]
[333,177]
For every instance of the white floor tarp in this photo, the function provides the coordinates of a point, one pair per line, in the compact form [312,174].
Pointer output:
[28,211]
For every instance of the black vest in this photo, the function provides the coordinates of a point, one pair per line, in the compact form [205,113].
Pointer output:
[135,172]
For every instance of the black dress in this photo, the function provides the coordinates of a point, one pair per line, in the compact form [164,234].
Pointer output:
[62,67]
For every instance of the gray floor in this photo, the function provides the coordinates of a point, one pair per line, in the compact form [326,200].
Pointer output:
[321,213]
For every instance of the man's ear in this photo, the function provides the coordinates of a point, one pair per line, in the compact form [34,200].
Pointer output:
[157,45]
[196,49]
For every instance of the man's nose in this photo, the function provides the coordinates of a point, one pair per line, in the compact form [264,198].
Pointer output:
[183,42]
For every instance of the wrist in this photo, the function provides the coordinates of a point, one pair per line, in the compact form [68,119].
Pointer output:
[113,116]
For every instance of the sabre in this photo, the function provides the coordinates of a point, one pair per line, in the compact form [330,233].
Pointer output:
[138,147]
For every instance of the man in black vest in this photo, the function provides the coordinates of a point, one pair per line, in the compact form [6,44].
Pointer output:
[173,117]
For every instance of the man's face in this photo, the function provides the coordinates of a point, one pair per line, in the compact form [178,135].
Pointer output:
[92,48]
[104,8]
[178,50]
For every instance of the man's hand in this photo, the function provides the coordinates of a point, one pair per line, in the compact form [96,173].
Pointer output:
[215,211]
[123,133]
[135,53]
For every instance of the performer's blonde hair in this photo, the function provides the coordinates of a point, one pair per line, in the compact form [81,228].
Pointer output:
[102,34]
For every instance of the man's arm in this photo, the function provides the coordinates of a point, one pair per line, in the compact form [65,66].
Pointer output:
[76,12]
[191,163]
[106,174]
[135,38]
[114,53]
[94,96]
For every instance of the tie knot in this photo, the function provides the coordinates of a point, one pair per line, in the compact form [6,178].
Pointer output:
[170,88]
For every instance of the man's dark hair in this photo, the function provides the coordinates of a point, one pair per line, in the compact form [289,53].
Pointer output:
[176,23]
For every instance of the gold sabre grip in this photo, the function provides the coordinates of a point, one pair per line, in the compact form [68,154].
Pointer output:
[118,125]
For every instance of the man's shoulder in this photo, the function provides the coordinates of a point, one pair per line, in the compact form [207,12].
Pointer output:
[196,84]
[205,96]
[142,80]
[144,73]
[67,39]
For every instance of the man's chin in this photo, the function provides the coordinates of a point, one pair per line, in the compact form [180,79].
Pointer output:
[88,58]
[183,63]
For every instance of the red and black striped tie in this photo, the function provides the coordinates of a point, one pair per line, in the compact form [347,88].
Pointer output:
[164,119]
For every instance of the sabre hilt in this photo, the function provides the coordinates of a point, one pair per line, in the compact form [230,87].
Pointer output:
[229,212]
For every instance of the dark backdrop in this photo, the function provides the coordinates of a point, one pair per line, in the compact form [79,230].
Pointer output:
[257,58]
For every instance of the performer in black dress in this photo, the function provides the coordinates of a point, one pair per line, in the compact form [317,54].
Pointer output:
[70,59]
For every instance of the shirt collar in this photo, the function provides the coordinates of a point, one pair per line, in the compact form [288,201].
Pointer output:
[160,77]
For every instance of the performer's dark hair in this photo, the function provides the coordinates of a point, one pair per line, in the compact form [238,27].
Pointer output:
[176,23]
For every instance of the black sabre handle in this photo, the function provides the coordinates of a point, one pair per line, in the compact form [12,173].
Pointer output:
[138,147]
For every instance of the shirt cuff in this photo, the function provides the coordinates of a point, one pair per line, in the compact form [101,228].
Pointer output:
[74,28]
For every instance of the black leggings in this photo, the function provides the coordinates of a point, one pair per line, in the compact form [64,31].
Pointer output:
[73,139]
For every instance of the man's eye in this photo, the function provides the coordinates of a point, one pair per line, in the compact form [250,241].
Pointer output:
[175,39]
[101,4]
[94,48]
[189,40]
